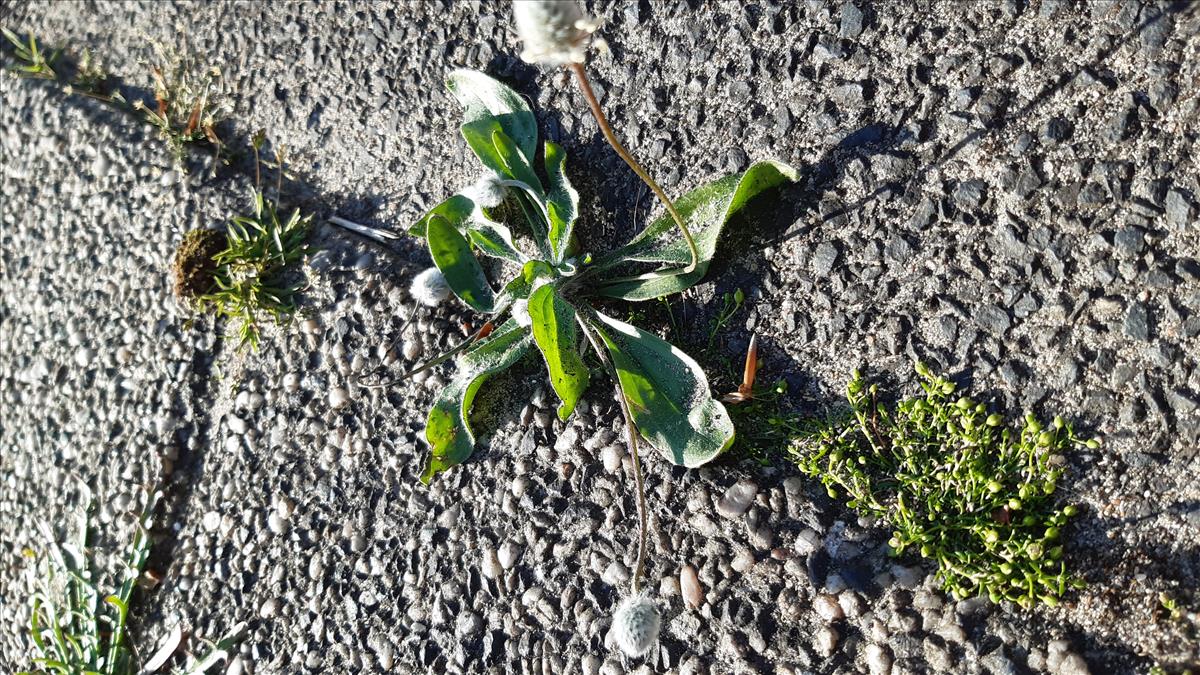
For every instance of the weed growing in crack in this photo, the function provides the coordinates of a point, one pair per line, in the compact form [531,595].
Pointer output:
[77,629]
[246,274]
[956,484]
[33,61]
[187,104]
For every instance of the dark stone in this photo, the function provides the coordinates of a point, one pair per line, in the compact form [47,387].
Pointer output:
[1137,322]
[1188,269]
[993,318]
[1179,209]
[852,21]
[898,250]
[1129,241]
[969,195]
[1057,130]
[824,258]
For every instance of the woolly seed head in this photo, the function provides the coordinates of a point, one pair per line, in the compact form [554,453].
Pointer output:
[520,312]
[430,288]
[555,32]
[635,625]
[487,192]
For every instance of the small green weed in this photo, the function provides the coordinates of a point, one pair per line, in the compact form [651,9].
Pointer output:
[732,303]
[251,274]
[34,62]
[957,485]
[75,629]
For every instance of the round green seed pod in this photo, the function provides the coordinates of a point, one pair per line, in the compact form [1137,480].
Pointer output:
[994,420]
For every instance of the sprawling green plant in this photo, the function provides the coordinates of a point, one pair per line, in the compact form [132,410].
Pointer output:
[664,392]
[955,483]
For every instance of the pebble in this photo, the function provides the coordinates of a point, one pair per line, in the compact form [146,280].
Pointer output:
[269,608]
[808,541]
[879,659]
[338,398]
[508,554]
[211,521]
[491,568]
[689,587]
[826,640]
[277,523]
[737,499]
[612,455]
[827,607]
[411,349]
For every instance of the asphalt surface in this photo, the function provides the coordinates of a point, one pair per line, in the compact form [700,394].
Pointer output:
[1007,190]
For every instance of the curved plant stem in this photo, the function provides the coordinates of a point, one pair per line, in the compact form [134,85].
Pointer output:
[632,431]
[440,358]
[586,88]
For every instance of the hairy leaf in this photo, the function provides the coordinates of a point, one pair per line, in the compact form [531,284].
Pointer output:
[488,105]
[452,255]
[706,210]
[562,201]
[457,210]
[447,429]
[495,240]
[668,394]
[557,337]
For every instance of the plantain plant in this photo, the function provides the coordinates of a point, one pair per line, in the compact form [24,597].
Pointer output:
[547,304]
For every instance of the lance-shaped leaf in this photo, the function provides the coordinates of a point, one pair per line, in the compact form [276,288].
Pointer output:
[489,105]
[456,210]
[557,337]
[448,429]
[452,255]
[562,201]
[668,394]
[706,210]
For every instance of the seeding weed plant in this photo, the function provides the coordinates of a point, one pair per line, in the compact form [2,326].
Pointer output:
[958,485]
[187,100]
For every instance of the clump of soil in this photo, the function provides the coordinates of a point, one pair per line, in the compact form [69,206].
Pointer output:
[194,266]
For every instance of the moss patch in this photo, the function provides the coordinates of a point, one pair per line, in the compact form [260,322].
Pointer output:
[194,267]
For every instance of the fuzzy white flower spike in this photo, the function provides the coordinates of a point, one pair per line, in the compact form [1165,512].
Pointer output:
[635,625]
[554,32]
[487,192]
[430,288]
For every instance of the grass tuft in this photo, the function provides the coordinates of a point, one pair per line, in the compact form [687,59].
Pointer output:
[251,274]
[956,484]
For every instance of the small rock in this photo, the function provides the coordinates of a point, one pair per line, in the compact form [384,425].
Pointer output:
[852,21]
[689,587]
[1137,322]
[491,567]
[612,456]
[737,499]
[1179,209]
[879,659]
[211,521]
[808,541]
[338,398]
[508,554]
[824,258]
[276,523]
[269,608]
[827,607]
[826,640]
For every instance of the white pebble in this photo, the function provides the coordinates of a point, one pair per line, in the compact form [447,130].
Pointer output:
[827,639]
[508,554]
[612,455]
[338,398]
[211,521]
